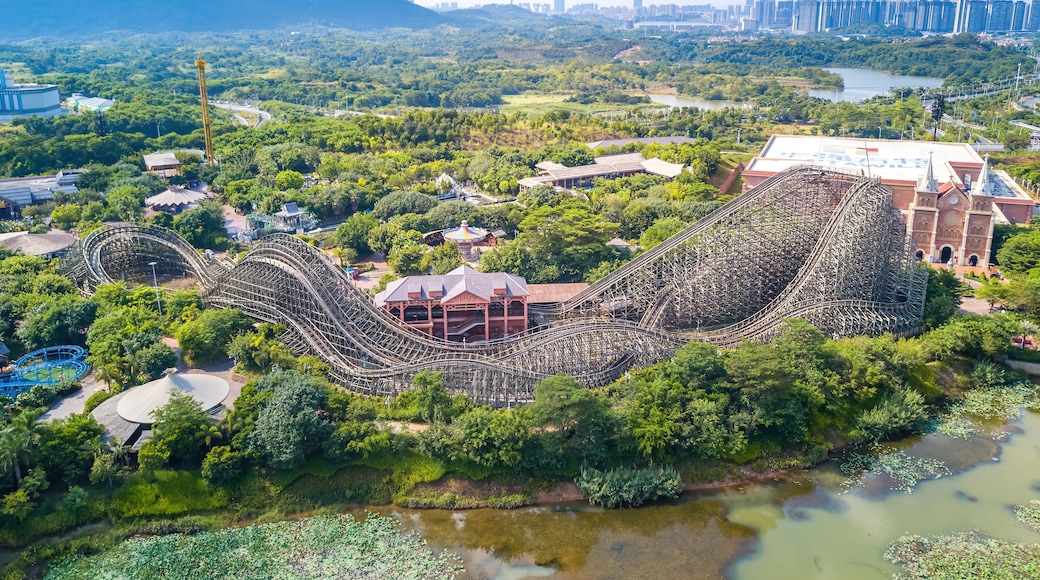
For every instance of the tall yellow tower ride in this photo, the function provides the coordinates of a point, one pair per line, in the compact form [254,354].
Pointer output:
[204,97]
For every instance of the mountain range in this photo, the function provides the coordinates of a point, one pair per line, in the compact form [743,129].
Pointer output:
[68,18]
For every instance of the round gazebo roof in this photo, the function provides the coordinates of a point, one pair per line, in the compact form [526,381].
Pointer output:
[465,234]
[138,404]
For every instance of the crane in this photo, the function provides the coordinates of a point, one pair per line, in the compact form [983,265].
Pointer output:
[204,97]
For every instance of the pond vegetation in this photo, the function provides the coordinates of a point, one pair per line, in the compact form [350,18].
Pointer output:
[317,547]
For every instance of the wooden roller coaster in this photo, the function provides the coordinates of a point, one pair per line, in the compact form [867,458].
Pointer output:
[815,244]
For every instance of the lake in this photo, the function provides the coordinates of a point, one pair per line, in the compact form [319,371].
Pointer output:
[862,84]
[809,524]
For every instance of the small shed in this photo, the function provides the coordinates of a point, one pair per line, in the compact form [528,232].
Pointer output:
[163,164]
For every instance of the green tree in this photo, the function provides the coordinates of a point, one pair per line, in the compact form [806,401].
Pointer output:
[381,238]
[937,110]
[203,226]
[155,359]
[406,259]
[152,456]
[177,425]
[1020,253]
[493,439]
[450,214]
[288,179]
[206,338]
[574,425]
[221,464]
[103,470]
[442,259]
[569,237]
[288,425]
[67,446]
[661,230]
[402,202]
[66,216]
[942,298]
[17,505]
[354,232]
[64,320]
[433,397]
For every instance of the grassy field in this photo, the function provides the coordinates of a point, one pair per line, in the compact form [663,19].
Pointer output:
[538,104]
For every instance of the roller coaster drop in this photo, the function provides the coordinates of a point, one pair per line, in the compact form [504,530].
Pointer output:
[820,245]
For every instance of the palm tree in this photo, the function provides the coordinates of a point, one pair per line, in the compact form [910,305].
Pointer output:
[14,450]
[121,453]
[108,374]
[28,428]
[209,434]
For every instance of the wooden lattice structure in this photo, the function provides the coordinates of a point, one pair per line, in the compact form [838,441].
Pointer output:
[820,245]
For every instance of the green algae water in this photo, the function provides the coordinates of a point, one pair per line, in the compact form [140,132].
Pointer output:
[819,523]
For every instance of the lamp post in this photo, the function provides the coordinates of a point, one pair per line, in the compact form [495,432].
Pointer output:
[155,281]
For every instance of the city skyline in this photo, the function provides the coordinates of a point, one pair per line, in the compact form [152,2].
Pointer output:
[570,3]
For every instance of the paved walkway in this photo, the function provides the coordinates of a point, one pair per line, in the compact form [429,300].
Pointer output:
[974,306]
[74,403]
[234,222]
[368,280]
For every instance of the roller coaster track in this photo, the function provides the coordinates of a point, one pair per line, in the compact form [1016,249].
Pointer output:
[821,245]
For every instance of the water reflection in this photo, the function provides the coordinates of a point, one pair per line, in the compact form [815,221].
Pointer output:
[688,539]
[804,525]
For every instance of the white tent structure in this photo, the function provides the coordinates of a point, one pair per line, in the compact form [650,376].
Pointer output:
[138,403]
[175,200]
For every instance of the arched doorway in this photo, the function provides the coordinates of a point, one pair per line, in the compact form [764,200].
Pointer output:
[947,253]
[973,261]
[920,254]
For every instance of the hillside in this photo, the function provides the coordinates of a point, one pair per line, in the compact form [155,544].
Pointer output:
[65,18]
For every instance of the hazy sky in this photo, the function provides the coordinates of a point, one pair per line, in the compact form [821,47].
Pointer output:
[601,3]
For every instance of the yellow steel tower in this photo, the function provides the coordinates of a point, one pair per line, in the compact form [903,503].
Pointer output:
[204,97]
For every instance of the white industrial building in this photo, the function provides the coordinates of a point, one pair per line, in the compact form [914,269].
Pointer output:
[19,192]
[27,100]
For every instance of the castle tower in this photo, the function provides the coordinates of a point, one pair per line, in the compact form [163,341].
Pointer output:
[923,220]
[977,237]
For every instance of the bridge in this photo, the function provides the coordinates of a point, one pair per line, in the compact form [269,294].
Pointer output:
[816,244]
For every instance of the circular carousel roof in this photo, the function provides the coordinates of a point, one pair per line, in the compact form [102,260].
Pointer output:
[465,233]
[138,404]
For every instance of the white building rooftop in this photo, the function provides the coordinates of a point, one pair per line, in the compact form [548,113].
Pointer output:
[892,160]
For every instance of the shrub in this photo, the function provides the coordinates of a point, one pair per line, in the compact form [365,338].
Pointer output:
[96,399]
[627,487]
[221,464]
[17,504]
[901,411]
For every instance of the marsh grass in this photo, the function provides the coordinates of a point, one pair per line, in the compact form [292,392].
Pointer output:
[904,471]
[961,555]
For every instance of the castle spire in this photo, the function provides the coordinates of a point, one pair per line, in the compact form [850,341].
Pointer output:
[928,183]
[982,186]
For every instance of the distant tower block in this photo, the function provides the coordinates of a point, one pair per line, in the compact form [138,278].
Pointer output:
[637,4]
[204,99]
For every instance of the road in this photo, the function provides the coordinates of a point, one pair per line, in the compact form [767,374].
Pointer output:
[262,116]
